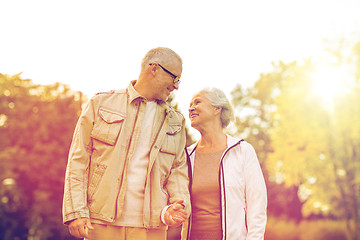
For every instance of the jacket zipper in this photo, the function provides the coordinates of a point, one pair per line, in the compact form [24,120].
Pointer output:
[157,134]
[132,132]
[128,149]
[150,167]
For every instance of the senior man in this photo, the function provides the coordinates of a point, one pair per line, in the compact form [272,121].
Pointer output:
[126,176]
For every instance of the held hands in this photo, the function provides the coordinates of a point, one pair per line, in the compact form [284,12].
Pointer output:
[78,227]
[175,215]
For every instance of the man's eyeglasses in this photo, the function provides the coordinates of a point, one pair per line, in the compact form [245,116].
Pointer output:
[176,78]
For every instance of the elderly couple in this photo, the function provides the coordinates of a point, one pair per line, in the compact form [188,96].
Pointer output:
[129,175]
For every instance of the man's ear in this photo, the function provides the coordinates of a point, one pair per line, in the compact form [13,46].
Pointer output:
[153,67]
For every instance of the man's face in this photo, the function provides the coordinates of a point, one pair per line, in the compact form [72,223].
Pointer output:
[167,79]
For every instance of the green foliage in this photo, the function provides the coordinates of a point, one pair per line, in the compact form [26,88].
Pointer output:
[316,148]
[36,126]
[303,141]
[297,117]
[254,108]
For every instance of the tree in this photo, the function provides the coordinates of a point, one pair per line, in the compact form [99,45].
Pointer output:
[36,125]
[253,122]
[305,142]
[345,157]
[316,144]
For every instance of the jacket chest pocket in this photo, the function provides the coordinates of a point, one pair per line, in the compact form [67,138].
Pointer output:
[168,149]
[171,139]
[107,126]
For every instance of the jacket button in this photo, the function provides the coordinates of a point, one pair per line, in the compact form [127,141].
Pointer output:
[155,147]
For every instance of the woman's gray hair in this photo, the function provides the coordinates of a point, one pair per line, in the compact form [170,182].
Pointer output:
[161,55]
[217,98]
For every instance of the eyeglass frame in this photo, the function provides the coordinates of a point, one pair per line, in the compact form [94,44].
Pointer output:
[176,80]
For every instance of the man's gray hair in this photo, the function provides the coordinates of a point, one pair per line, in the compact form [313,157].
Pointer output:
[161,55]
[217,98]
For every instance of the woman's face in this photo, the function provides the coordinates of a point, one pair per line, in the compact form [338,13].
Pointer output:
[201,111]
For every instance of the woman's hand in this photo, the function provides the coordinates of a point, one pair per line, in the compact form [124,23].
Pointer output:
[175,215]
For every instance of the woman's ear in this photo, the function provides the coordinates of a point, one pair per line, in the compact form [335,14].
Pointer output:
[217,110]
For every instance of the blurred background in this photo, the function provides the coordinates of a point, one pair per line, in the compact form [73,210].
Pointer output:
[296,95]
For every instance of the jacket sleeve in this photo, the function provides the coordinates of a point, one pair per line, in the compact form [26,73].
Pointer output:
[256,196]
[76,177]
[178,181]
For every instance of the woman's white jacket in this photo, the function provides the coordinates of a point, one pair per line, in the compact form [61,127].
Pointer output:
[243,191]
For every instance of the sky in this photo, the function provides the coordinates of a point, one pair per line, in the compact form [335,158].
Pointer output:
[96,46]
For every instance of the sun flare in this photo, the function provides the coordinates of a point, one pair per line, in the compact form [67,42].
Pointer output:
[330,82]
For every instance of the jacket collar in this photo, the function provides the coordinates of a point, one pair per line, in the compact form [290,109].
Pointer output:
[230,142]
[132,93]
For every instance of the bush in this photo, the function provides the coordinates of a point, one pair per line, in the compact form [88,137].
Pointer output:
[322,230]
[282,229]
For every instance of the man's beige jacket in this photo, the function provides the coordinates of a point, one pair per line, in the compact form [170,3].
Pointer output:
[104,140]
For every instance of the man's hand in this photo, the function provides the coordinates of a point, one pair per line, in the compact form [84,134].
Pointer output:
[175,215]
[77,228]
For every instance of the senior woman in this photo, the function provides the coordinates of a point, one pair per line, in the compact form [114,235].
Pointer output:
[228,192]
